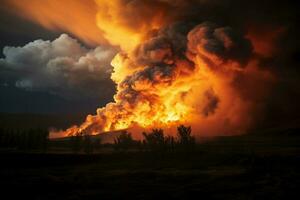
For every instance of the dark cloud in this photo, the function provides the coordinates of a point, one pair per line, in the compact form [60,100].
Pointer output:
[222,43]
[62,67]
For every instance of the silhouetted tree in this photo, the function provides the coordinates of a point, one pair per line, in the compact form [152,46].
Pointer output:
[32,139]
[44,140]
[155,140]
[185,139]
[76,142]
[87,144]
[124,141]
[97,144]
[170,143]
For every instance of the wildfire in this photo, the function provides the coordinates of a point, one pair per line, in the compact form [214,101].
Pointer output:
[159,87]
[169,73]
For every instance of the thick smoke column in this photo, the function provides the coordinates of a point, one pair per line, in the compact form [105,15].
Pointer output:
[180,74]
[179,61]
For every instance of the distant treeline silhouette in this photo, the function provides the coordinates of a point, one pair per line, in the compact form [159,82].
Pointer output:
[153,141]
[157,141]
[29,139]
[85,142]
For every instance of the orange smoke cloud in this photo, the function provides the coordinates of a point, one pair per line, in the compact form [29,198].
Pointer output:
[74,16]
[200,81]
[125,23]
[167,73]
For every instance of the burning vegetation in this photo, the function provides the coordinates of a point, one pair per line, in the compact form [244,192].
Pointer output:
[195,75]
[170,78]
[174,66]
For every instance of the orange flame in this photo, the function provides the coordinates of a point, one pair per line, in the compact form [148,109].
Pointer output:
[182,102]
[212,93]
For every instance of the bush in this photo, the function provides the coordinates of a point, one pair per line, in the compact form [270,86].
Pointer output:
[124,141]
[155,141]
[76,142]
[32,139]
[88,146]
[185,139]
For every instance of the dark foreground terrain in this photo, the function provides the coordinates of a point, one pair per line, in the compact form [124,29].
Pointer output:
[241,167]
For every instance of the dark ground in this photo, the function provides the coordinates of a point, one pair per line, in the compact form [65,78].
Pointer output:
[260,166]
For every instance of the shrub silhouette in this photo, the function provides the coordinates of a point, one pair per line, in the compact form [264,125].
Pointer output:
[97,144]
[155,140]
[185,139]
[76,142]
[124,141]
[87,144]
[32,139]
[170,143]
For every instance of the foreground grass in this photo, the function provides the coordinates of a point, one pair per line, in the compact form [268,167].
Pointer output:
[241,167]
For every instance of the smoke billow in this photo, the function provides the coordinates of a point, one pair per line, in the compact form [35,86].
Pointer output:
[209,64]
[61,67]
[181,74]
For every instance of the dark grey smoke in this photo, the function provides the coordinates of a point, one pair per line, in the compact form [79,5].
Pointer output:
[222,42]
[160,53]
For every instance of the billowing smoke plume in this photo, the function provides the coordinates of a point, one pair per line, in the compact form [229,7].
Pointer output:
[62,67]
[198,62]
[180,74]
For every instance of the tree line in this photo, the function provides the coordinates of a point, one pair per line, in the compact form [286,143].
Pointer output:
[29,139]
[155,141]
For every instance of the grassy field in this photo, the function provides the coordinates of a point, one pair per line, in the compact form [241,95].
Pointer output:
[261,166]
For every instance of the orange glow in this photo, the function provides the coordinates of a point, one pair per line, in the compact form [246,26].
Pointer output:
[182,102]
[74,16]
[124,24]
[201,88]
[161,82]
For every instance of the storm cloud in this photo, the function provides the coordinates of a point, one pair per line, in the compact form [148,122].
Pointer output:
[63,67]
